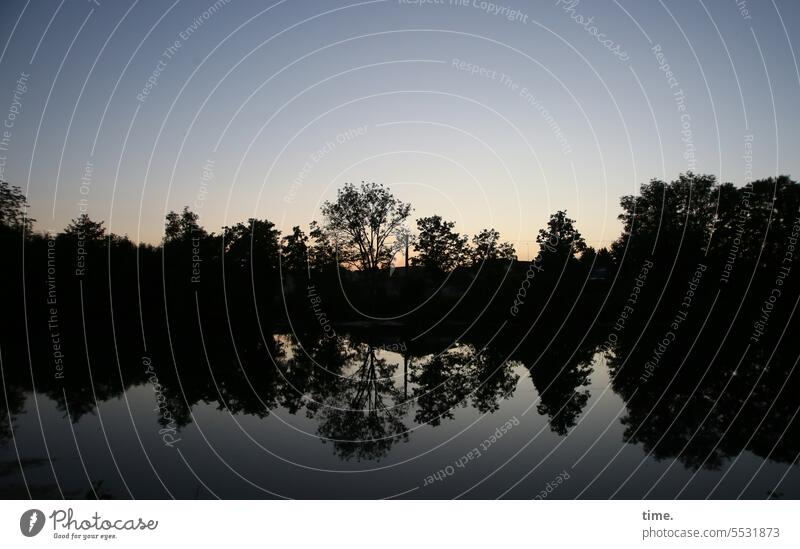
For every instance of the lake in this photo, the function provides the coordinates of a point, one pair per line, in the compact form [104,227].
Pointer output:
[341,417]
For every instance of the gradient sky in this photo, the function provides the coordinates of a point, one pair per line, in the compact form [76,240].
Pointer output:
[285,102]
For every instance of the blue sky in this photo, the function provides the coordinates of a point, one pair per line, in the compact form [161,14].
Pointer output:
[484,115]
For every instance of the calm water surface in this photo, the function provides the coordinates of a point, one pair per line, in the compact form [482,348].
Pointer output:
[341,419]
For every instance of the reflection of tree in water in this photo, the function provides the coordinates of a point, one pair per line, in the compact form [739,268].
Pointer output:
[707,400]
[364,417]
[441,386]
[245,383]
[714,392]
[448,380]
[727,398]
[12,400]
[313,371]
[705,420]
[560,378]
[250,387]
[778,435]
[493,379]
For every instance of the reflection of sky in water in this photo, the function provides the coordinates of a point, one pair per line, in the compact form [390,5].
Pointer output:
[282,453]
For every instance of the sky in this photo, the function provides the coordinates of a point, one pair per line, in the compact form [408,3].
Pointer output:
[490,114]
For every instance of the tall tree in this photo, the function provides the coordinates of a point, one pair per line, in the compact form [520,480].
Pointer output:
[364,222]
[83,228]
[560,240]
[255,243]
[182,226]
[12,208]
[682,213]
[438,246]
[486,246]
[322,251]
[294,251]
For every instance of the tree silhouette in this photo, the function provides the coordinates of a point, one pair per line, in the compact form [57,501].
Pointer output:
[441,385]
[322,251]
[447,379]
[364,222]
[486,246]
[84,229]
[12,209]
[364,417]
[252,245]
[438,246]
[559,241]
[294,251]
[709,399]
[667,214]
[561,378]
[182,226]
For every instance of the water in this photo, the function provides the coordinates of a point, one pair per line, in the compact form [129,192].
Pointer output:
[339,418]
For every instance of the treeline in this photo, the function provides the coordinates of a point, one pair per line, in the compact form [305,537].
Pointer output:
[355,258]
[694,304]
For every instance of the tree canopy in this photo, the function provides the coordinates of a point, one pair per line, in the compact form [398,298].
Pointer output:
[486,246]
[182,226]
[365,222]
[559,240]
[438,246]
[12,208]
